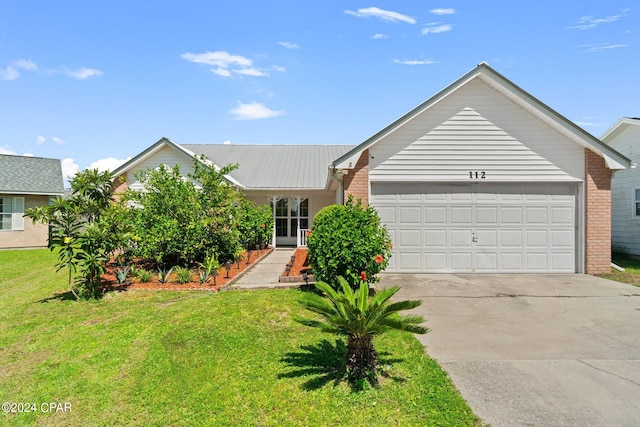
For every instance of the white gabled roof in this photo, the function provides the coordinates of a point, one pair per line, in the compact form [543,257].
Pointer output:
[166,142]
[614,160]
[618,127]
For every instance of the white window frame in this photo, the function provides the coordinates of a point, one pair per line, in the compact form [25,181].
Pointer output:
[16,212]
[635,202]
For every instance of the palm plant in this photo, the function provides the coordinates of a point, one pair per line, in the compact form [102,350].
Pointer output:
[360,317]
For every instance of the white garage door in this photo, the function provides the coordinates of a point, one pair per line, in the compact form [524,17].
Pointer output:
[479,227]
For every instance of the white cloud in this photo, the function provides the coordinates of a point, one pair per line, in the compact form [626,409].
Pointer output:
[9,73]
[254,111]
[441,11]
[108,164]
[279,68]
[83,73]
[605,46]
[436,27]
[384,15]
[6,150]
[379,36]
[415,61]
[589,22]
[40,139]
[250,72]
[225,64]
[28,154]
[57,140]
[69,168]
[25,64]
[289,45]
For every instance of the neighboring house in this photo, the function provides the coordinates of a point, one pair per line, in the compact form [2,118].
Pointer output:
[482,177]
[26,182]
[624,136]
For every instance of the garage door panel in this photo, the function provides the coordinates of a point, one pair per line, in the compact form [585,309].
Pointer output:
[562,238]
[536,261]
[536,215]
[506,227]
[537,238]
[461,261]
[486,262]
[511,238]
[561,261]
[435,239]
[408,238]
[435,215]
[562,215]
[460,238]
[410,215]
[486,238]
[435,261]
[487,215]
[511,215]
[409,261]
[460,214]
[512,262]
[387,215]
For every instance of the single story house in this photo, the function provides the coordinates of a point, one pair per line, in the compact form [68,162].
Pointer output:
[624,137]
[481,177]
[26,182]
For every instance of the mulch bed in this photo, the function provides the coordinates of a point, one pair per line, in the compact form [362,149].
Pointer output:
[299,266]
[110,283]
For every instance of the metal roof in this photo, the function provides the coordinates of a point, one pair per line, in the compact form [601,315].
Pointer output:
[30,175]
[274,166]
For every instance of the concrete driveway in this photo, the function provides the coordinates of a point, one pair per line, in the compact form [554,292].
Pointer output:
[534,350]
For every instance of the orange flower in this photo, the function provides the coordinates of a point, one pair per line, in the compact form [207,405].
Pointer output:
[308,233]
[379,259]
[262,225]
[363,276]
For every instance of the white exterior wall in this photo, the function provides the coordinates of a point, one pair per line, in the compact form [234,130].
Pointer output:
[317,199]
[625,232]
[454,137]
[165,156]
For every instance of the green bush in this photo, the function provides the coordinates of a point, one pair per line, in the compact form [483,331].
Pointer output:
[348,241]
[255,223]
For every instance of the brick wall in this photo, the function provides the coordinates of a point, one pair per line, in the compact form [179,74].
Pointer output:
[356,182]
[597,215]
[120,187]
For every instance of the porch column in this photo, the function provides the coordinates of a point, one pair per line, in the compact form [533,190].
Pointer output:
[273,199]
[299,200]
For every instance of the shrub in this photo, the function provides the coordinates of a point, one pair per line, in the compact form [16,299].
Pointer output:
[144,276]
[348,241]
[255,223]
[183,275]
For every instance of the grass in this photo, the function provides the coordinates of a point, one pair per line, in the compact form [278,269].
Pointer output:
[156,358]
[631,275]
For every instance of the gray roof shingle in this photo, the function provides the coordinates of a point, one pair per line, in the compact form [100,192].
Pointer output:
[30,175]
[274,166]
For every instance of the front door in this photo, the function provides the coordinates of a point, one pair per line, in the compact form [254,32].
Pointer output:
[287,212]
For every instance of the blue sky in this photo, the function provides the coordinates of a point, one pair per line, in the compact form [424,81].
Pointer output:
[94,83]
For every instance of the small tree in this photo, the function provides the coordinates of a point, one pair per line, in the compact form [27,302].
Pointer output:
[348,241]
[360,318]
[87,228]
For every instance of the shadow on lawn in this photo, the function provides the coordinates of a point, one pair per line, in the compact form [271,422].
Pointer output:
[59,296]
[324,363]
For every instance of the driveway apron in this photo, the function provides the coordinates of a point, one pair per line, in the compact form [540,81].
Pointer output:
[534,350]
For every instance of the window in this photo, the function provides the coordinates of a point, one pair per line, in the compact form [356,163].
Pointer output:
[635,206]
[11,213]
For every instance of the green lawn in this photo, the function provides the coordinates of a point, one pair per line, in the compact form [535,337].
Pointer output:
[162,358]
[631,266]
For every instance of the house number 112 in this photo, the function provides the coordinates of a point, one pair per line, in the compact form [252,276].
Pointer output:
[477,175]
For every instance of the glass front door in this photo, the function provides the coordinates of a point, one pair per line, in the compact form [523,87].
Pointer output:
[287,212]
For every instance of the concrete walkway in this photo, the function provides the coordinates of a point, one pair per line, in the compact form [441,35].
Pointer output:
[265,274]
[534,350]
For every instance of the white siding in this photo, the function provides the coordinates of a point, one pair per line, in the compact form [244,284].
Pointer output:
[165,156]
[625,232]
[476,129]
